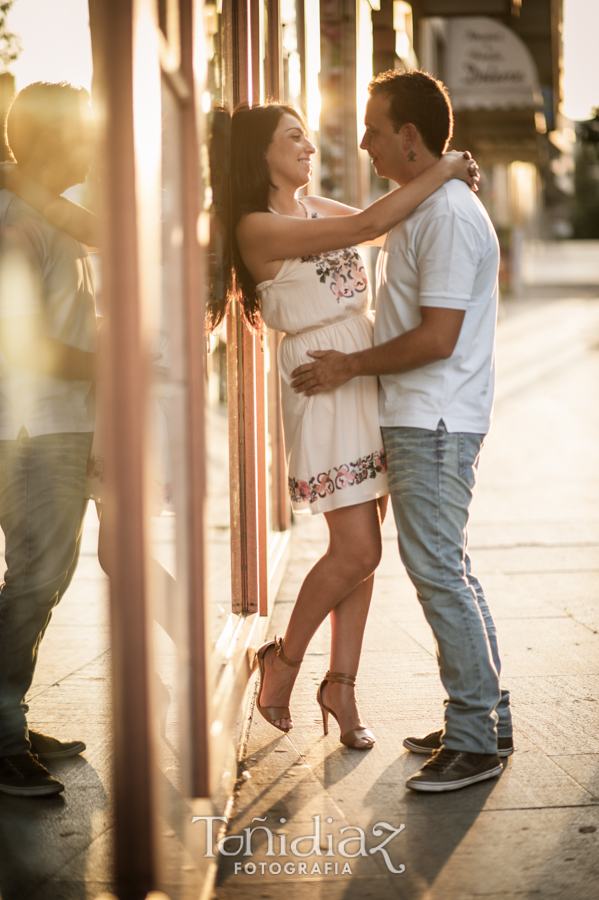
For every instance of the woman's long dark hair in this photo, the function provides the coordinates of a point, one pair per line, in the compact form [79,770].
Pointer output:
[252,130]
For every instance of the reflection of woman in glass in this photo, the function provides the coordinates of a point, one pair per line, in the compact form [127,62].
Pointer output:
[296,270]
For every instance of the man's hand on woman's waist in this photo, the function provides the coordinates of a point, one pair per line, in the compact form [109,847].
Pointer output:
[434,339]
[329,370]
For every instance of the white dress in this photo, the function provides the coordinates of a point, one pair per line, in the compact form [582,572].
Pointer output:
[333,442]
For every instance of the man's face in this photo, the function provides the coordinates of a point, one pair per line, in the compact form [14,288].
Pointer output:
[383,144]
[64,153]
[78,143]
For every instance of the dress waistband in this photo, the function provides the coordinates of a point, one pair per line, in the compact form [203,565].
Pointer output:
[362,315]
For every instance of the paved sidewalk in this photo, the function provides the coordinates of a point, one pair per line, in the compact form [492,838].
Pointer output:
[560,262]
[534,538]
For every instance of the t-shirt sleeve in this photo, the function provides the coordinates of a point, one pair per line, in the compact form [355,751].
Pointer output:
[448,253]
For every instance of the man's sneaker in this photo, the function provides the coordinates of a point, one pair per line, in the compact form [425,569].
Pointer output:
[449,770]
[47,747]
[430,743]
[24,776]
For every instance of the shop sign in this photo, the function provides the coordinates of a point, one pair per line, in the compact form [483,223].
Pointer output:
[489,67]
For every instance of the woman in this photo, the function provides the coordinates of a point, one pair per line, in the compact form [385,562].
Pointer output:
[297,270]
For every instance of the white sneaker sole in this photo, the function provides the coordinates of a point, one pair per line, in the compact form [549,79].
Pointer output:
[426,751]
[61,754]
[437,787]
[416,748]
[42,791]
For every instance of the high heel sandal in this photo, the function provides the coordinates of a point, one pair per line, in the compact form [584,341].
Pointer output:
[350,738]
[272,713]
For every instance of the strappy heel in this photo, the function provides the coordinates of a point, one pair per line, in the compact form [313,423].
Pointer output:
[350,738]
[272,713]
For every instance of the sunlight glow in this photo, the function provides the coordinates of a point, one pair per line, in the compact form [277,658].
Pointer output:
[313,98]
[56,42]
[581,61]
[363,64]
[147,125]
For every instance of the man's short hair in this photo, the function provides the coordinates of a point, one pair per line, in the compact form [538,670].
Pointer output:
[419,99]
[41,107]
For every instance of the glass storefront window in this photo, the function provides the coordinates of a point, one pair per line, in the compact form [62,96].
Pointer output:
[215,155]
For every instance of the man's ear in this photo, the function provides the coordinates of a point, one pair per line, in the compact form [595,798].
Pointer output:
[47,146]
[409,136]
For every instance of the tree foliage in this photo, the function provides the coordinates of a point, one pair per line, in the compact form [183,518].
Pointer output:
[10,43]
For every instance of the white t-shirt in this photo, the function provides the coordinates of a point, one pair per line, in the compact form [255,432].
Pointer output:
[445,254]
[44,272]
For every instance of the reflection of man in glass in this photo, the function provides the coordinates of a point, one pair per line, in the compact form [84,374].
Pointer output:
[47,354]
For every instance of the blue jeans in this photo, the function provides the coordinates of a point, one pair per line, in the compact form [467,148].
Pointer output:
[431,478]
[42,506]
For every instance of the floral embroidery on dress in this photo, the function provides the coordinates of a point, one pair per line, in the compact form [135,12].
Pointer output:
[343,268]
[338,478]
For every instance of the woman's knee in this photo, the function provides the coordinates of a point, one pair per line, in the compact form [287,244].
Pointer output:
[359,559]
[355,539]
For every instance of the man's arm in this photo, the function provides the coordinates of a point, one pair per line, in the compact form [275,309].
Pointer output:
[24,344]
[75,220]
[435,338]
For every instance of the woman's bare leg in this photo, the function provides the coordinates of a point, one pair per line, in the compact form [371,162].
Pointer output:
[167,590]
[342,575]
[348,622]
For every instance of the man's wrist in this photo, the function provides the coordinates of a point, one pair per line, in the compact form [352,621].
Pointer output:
[355,363]
[368,362]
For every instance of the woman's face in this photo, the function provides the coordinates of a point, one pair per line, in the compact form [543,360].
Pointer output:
[289,155]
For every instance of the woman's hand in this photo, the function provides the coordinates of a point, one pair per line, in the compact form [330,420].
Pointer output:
[462,166]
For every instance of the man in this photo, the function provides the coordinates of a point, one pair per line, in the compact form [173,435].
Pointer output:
[47,360]
[434,355]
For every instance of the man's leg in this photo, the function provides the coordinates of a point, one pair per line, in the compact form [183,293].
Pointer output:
[504,724]
[431,476]
[42,507]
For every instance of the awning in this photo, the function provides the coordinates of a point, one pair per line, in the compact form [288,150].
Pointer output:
[447,8]
[498,135]
[489,67]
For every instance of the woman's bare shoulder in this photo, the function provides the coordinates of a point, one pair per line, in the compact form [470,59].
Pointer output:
[254,224]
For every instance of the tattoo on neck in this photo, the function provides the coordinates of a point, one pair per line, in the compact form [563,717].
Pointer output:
[411,156]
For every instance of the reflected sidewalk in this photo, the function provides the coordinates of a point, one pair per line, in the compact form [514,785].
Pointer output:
[61,847]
